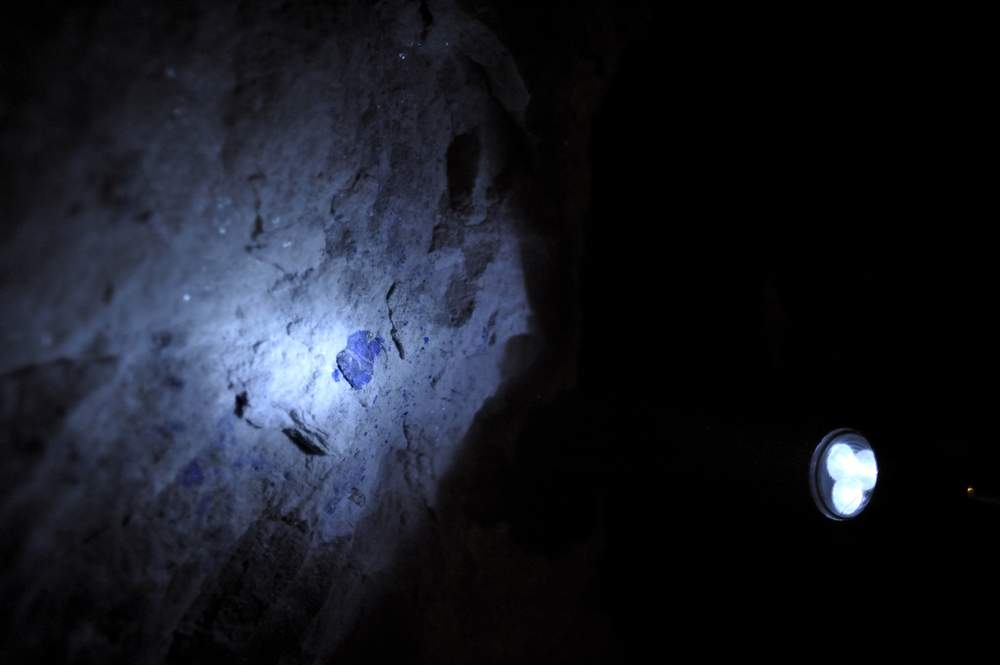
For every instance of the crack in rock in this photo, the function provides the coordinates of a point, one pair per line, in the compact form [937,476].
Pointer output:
[242,402]
[309,439]
[393,331]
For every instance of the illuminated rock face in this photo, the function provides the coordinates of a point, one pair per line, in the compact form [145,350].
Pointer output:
[211,204]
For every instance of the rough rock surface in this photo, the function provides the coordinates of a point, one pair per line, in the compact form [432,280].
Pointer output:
[200,215]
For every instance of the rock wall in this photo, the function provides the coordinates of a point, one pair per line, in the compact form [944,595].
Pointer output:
[280,281]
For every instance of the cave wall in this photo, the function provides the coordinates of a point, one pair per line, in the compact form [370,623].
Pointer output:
[269,269]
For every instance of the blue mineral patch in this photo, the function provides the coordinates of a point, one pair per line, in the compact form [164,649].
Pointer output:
[357,361]
[336,376]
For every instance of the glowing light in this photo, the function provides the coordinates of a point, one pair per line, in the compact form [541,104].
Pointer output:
[843,474]
[847,496]
[840,461]
[867,469]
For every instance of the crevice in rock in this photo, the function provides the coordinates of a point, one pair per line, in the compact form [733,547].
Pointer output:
[309,439]
[393,332]
[406,434]
[242,402]
[303,442]
[258,221]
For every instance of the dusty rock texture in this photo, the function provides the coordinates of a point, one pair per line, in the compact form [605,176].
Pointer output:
[203,203]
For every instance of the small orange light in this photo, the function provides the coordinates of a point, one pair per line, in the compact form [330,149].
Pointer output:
[970,491]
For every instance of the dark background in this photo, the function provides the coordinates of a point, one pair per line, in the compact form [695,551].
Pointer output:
[785,239]
[824,272]
[788,233]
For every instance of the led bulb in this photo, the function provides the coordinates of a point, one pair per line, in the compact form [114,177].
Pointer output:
[841,462]
[843,474]
[847,496]
[867,469]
